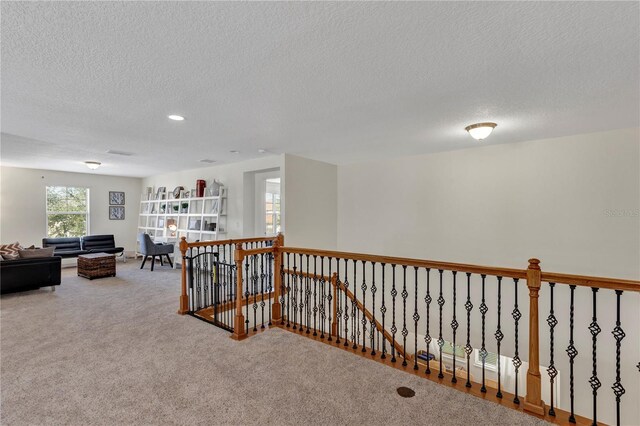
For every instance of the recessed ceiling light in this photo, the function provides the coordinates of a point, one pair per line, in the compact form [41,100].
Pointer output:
[92,164]
[175,117]
[233,151]
[480,131]
[206,160]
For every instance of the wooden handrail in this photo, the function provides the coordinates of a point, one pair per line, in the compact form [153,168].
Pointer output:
[253,252]
[433,264]
[230,241]
[585,281]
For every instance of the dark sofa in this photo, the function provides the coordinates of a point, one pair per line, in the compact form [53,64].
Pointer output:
[101,244]
[65,247]
[75,246]
[29,274]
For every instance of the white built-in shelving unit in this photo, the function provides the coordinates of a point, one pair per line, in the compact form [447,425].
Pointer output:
[196,218]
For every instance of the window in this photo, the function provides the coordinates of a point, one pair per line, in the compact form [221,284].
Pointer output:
[67,211]
[491,362]
[448,349]
[272,206]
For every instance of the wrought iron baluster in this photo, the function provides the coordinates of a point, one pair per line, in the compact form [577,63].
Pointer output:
[416,318]
[516,359]
[294,304]
[454,327]
[329,305]
[405,332]
[270,283]
[618,334]
[483,351]
[315,297]
[262,279]
[572,352]
[499,335]
[346,301]
[247,280]
[468,350]
[551,370]
[301,305]
[383,311]
[338,295]
[373,326]
[427,336]
[354,321]
[308,296]
[594,328]
[288,292]
[440,339]
[394,329]
[254,280]
[364,307]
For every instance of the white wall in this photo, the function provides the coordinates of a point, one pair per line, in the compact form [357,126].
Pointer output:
[501,205]
[231,176]
[23,204]
[573,202]
[309,197]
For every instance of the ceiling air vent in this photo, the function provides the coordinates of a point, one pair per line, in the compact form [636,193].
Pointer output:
[115,152]
[206,160]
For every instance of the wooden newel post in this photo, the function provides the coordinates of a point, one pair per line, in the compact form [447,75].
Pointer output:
[239,332]
[334,308]
[276,312]
[184,297]
[533,401]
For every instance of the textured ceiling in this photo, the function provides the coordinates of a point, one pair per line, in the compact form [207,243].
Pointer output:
[337,82]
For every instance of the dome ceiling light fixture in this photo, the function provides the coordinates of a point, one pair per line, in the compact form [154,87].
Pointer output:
[175,117]
[92,164]
[480,131]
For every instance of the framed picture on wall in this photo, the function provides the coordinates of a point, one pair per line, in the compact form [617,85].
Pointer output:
[116,212]
[116,198]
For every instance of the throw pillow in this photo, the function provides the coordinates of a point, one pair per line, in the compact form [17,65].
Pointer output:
[10,251]
[36,253]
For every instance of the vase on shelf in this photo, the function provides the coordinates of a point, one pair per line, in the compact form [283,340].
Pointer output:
[200,185]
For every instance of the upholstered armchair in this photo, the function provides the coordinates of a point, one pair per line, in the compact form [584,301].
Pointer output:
[150,249]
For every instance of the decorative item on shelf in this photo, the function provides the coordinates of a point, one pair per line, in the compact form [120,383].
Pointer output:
[194,224]
[212,227]
[116,198]
[215,206]
[163,208]
[176,208]
[116,212]
[215,188]
[177,190]
[184,194]
[160,195]
[200,185]
[193,193]
[149,192]
[185,207]
[160,223]
[172,227]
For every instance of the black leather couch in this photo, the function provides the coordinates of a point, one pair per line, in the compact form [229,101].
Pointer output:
[75,246]
[29,274]
[101,244]
[65,247]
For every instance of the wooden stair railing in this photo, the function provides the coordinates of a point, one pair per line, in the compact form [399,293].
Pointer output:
[337,285]
[452,273]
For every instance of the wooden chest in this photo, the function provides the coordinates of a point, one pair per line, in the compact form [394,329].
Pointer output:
[97,265]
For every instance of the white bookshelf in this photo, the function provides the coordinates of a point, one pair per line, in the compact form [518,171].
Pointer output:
[193,217]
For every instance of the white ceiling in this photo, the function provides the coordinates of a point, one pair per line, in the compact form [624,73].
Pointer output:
[337,82]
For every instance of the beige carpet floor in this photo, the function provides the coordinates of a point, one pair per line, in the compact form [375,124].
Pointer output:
[114,351]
